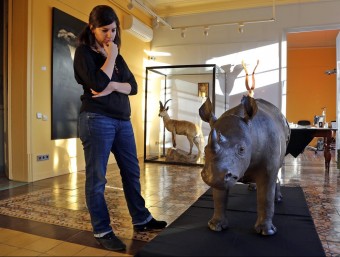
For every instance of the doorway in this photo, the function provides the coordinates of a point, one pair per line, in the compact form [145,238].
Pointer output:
[319,42]
[3,61]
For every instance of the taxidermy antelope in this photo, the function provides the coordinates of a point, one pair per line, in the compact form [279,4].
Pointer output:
[180,127]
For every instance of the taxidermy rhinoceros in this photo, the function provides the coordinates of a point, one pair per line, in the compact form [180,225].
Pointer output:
[246,144]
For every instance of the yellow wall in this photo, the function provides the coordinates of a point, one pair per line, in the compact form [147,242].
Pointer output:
[18,89]
[308,88]
[30,87]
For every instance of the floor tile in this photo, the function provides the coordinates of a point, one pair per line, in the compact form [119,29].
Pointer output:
[7,249]
[43,244]
[24,252]
[88,251]
[66,249]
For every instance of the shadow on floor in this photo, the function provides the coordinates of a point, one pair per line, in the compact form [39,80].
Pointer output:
[5,183]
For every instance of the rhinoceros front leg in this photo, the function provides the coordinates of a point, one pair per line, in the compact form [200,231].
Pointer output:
[173,139]
[219,220]
[265,208]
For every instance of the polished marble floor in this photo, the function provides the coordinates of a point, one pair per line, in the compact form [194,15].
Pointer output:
[168,190]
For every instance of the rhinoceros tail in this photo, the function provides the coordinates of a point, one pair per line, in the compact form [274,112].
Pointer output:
[206,113]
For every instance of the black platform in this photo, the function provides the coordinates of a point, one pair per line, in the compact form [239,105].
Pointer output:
[189,235]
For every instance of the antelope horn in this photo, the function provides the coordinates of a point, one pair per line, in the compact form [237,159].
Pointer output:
[166,102]
[253,76]
[245,69]
[161,105]
[257,64]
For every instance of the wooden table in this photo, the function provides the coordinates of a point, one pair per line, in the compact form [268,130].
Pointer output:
[301,137]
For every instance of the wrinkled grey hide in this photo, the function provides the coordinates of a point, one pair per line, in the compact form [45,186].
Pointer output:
[246,144]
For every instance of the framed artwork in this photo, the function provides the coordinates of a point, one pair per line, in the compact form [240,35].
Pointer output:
[65,90]
[203,89]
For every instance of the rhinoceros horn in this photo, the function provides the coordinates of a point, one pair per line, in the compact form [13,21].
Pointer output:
[215,147]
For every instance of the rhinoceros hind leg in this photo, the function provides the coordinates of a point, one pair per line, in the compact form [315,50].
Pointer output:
[278,198]
[278,194]
[266,230]
[218,225]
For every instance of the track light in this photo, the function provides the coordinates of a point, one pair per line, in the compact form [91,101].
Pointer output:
[155,23]
[130,5]
[241,27]
[206,32]
[240,23]
[183,32]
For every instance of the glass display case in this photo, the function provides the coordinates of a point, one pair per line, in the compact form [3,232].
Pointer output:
[173,96]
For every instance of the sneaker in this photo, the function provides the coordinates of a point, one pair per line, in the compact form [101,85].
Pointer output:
[111,242]
[151,225]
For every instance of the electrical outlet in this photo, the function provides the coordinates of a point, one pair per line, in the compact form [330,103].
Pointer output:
[43,157]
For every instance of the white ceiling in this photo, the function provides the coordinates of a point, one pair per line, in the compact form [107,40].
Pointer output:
[168,8]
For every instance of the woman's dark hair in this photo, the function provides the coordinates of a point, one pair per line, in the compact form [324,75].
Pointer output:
[100,16]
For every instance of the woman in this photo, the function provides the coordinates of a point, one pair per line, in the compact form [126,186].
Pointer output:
[105,126]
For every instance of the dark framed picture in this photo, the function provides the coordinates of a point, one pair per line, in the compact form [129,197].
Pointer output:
[203,89]
[65,90]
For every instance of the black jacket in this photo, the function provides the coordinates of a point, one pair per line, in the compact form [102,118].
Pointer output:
[87,72]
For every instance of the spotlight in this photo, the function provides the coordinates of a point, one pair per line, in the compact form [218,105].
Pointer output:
[130,5]
[240,27]
[183,33]
[206,32]
[155,23]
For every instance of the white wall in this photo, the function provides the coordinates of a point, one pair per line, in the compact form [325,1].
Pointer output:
[227,47]
[337,140]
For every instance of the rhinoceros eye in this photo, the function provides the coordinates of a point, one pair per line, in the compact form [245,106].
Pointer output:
[241,150]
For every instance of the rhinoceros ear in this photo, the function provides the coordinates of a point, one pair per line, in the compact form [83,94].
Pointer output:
[250,107]
[215,147]
[206,113]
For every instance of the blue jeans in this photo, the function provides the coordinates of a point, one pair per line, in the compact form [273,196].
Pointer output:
[101,135]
